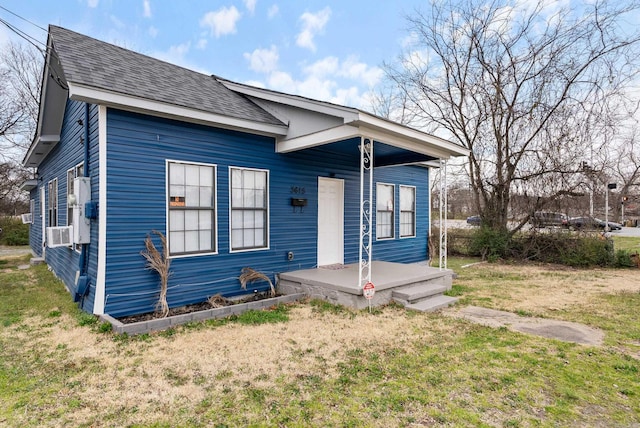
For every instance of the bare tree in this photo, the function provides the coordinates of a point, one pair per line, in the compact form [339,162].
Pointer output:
[20,77]
[625,170]
[526,88]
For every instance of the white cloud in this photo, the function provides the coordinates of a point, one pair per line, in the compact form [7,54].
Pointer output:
[176,54]
[351,69]
[146,4]
[359,71]
[263,60]
[153,31]
[273,11]
[202,44]
[221,22]
[250,5]
[180,50]
[92,3]
[116,22]
[324,67]
[312,24]
[279,80]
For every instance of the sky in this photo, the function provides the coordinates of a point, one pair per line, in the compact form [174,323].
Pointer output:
[331,50]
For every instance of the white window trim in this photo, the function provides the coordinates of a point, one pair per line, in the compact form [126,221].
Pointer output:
[51,184]
[393,216]
[415,209]
[215,208]
[268,220]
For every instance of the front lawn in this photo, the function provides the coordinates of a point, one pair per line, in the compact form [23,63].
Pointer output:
[315,364]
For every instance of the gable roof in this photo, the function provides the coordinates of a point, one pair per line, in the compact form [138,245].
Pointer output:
[93,63]
[82,68]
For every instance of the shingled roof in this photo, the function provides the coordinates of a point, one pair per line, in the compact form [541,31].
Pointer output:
[92,63]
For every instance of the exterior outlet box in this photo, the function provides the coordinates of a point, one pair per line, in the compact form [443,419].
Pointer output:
[81,224]
[91,210]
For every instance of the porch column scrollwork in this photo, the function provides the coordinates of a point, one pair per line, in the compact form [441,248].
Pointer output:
[443,214]
[366,210]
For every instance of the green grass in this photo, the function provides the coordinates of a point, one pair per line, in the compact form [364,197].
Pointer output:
[30,292]
[450,373]
[627,243]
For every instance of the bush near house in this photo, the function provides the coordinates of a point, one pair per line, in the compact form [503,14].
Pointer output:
[577,250]
[13,231]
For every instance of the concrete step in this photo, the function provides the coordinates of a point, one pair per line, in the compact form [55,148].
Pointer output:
[417,291]
[432,304]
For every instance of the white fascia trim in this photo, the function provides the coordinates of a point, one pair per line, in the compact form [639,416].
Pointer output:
[339,133]
[404,142]
[140,105]
[390,128]
[348,113]
[99,301]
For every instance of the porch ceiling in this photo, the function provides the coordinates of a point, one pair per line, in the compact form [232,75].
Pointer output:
[384,154]
[400,144]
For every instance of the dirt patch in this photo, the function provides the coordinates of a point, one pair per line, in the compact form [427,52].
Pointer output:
[214,302]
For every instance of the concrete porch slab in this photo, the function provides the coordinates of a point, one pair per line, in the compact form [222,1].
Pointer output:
[384,276]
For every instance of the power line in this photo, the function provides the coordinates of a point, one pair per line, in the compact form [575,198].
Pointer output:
[24,19]
[31,40]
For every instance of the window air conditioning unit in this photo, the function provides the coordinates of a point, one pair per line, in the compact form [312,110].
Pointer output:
[59,236]
[26,218]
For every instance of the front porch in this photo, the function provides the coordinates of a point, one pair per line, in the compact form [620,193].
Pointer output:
[416,285]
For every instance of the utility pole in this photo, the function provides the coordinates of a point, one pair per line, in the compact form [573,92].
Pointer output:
[610,186]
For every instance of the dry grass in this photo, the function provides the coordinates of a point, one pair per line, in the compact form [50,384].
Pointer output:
[542,290]
[327,366]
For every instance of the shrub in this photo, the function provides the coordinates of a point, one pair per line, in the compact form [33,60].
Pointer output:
[14,232]
[623,259]
[562,247]
[491,244]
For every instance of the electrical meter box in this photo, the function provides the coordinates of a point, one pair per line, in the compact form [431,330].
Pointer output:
[81,224]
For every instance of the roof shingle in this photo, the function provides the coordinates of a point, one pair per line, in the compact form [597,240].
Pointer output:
[90,62]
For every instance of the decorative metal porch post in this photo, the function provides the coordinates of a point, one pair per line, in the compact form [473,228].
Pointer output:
[443,218]
[366,210]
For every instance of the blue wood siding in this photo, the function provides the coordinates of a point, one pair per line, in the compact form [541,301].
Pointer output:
[137,150]
[35,228]
[65,155]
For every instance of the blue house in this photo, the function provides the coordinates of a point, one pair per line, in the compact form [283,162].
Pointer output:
[234,176]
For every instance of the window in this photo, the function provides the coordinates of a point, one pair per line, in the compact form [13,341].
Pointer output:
[77,171]
[407,211]
[249,209]
[53,203]
[192,208]
[384,211]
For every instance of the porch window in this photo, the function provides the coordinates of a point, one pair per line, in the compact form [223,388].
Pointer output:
[249,209]
[385,204]
[72,173]
[52,203]
[407,211]
[192,208]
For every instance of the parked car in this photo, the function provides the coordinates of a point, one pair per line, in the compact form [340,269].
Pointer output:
[549,219]
[592,223]
[474,220]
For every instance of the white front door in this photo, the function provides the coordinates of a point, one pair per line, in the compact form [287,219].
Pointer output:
[330,221]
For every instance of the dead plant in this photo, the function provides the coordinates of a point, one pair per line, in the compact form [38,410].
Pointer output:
[217,301]
[248,275]
[159,262]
